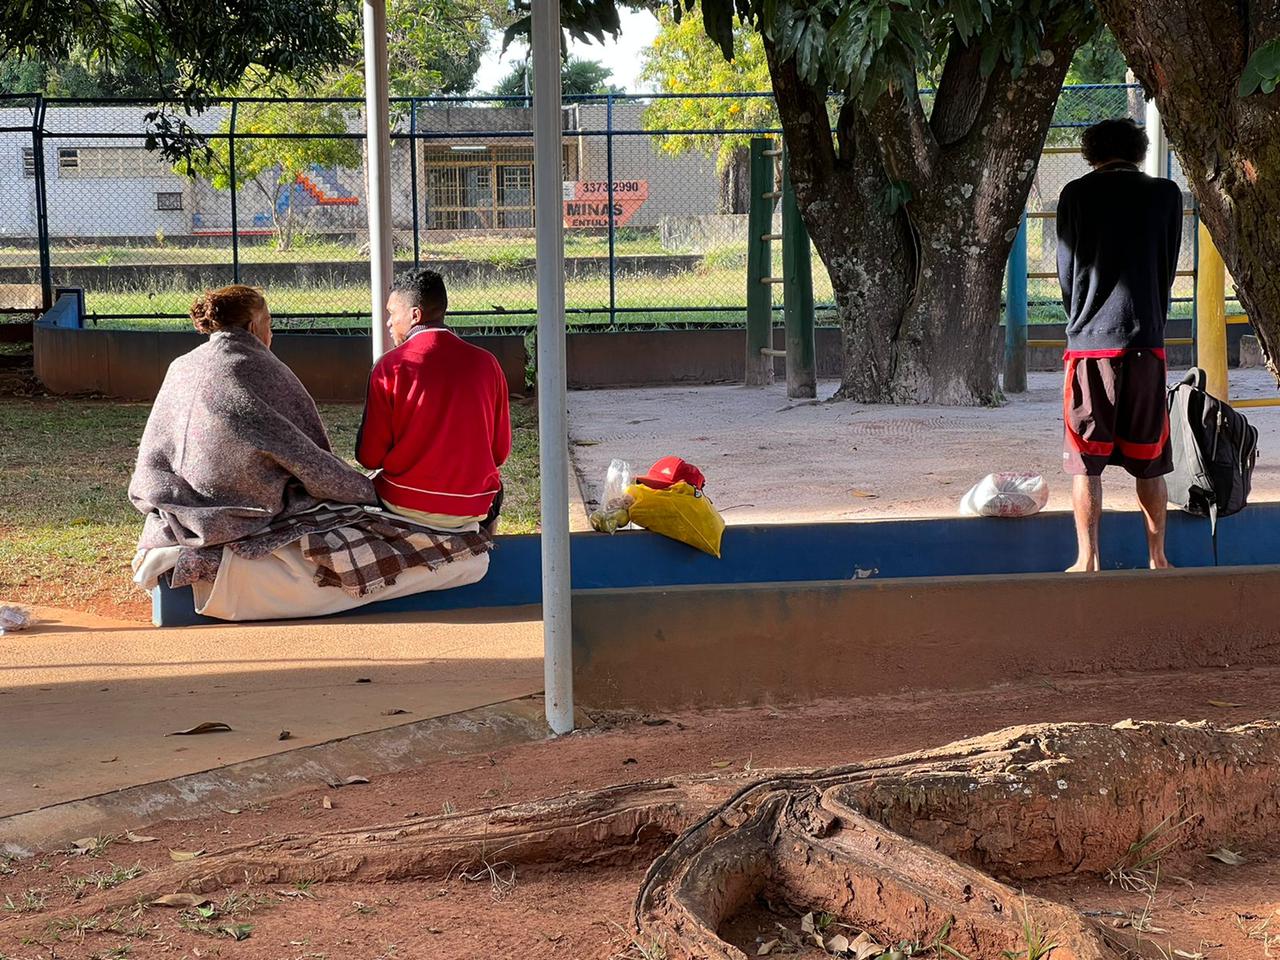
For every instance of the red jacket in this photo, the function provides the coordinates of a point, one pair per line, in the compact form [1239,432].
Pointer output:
[437,423]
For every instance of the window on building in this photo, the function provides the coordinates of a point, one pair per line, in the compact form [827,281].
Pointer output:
[28,161]
[110,162]
[168,201]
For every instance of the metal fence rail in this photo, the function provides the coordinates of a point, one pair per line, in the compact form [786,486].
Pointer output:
[655,204]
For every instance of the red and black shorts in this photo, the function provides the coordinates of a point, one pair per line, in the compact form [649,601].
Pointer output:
[1115,413]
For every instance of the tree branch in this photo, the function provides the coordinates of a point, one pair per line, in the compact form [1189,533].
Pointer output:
[907,143]
[803,112]
[960,93]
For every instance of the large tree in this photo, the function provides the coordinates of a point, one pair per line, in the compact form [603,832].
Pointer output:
[578,77]
[913,210]
[1213,67]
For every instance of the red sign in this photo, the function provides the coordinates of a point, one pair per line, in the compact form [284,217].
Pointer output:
[588,206]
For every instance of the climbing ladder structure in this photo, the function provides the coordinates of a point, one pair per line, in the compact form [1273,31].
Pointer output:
[771,182]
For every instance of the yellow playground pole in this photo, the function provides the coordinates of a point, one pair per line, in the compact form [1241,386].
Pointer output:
[1211,316]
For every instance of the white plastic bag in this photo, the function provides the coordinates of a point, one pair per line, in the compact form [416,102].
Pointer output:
[1006,495]
[13,619]
[615,503]
[616,482]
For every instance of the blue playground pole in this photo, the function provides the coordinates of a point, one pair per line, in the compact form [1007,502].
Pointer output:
[1015,315]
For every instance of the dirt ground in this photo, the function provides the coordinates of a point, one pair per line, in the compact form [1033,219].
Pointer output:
[540,913]
[771,460]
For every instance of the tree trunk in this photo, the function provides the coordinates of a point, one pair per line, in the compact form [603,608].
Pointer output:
[1189,54]
[735,182]
[929,848]
[914,218]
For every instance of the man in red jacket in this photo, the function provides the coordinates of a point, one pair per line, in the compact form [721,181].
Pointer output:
[436,425]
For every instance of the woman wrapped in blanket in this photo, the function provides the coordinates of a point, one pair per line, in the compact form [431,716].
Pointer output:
[246,502]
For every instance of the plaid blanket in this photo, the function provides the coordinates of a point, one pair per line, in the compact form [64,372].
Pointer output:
[359,550]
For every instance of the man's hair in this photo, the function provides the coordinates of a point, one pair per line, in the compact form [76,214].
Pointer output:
[1114,140]
[423,289]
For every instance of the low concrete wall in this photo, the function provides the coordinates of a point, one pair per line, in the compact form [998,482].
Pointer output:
[682,647]
[336,272]
[655,357]
[131,364]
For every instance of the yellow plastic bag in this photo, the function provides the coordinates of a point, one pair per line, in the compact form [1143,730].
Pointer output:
[679,512]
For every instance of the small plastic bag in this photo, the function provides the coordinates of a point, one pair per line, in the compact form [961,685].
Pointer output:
[616,482]
[679,512]
[615,502]
[13,619]
[1006,495]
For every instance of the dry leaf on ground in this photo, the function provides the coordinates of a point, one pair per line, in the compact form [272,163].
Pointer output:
[209,726]
[180,900]
[179,856]
[1230,857]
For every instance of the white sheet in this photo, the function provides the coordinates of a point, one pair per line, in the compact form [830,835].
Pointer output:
[281,586]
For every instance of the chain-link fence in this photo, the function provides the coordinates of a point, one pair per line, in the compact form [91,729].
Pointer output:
[21,210]
[656,195]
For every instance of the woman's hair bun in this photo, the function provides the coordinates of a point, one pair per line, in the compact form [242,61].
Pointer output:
[227,308]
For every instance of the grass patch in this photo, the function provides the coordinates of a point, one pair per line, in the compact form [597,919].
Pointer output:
[494,248]
[68,531]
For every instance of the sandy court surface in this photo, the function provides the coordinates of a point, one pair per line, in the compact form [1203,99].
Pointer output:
[771,460]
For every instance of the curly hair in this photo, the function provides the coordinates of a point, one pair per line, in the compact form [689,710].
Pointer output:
[425,289]
[1114,140]
[227,308]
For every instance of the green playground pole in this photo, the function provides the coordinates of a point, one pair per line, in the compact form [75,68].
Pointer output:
[1015,315]
[797,297]
[759,264]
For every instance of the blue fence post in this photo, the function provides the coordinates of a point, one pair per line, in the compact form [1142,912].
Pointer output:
[413,176]
[613,260]
[1015,314]
[42,204]
[235,219]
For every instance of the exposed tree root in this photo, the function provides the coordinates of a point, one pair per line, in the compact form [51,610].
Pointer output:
[902,847]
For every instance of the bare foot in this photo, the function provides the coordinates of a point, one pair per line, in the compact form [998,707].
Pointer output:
[1161,563]
[1083,566]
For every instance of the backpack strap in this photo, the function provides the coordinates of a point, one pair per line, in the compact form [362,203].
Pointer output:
[1213,530]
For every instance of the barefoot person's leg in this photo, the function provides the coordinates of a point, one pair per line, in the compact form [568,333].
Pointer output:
[1086,502]
[1089,411]
[1153,496]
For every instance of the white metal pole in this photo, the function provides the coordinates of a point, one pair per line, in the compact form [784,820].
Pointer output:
[378,145]
[1158,150]
[553,434]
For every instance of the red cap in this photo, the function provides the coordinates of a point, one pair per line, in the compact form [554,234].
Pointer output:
[671,470]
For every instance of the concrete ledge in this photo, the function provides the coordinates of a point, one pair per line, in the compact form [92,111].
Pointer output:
[812,552]
[677,647]
[131,364]
[402,747]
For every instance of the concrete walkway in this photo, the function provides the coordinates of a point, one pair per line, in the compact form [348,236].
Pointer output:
[771,460]
[86,703]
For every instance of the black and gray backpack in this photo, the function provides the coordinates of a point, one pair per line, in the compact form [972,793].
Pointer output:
[1214,450]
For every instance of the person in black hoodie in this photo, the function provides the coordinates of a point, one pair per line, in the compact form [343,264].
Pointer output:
[1119,233]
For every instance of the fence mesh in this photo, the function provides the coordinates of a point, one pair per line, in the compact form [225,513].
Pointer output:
[656,195]
[20,288]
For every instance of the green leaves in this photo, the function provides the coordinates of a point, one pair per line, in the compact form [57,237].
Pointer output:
[863,48]
[1262,72]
